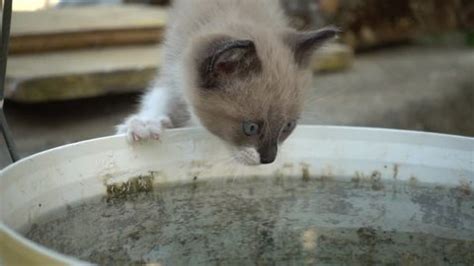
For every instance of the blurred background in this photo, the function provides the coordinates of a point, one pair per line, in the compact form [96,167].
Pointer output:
[77,67]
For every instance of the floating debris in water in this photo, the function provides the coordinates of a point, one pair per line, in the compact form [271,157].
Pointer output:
[133,185]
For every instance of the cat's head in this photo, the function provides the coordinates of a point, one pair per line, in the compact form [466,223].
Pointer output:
[249,92]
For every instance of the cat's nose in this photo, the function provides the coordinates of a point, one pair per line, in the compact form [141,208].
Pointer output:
[267,160]
[268,153]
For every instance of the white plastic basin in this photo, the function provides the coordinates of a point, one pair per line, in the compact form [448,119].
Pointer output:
[51,179]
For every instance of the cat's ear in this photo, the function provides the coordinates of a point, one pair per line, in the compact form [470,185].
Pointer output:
[225,59]
[304,43]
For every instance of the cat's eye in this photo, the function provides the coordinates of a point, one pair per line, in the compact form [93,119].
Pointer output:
[289,126]
[250,128]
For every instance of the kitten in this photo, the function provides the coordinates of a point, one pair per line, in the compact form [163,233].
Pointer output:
[235,68]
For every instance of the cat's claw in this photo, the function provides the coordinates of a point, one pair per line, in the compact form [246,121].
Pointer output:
[135,137]
[155,136]
[138,129]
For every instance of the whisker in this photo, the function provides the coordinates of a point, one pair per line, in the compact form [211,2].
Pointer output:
[309,112]
[315,97]
[225,162]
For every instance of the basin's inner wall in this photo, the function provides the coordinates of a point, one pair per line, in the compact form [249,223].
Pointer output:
[22,213]
[63,177]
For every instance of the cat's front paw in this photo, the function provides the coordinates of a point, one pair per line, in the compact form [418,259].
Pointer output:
[140,129]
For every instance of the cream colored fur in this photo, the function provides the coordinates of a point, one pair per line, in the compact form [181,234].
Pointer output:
[274,95]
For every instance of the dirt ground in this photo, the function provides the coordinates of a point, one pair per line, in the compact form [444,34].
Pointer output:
[429,88]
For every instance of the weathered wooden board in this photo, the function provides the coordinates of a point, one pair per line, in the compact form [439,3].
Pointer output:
[333,57]
[94,72]
[85,27]
[80,74]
